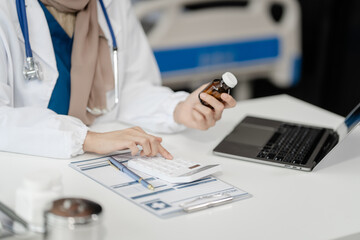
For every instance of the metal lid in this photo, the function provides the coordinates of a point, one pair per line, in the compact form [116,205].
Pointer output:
[229,79]
[74,211]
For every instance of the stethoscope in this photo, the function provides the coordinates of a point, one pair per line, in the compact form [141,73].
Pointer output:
[32,69]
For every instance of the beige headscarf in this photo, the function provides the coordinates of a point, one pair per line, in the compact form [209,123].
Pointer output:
[91,69]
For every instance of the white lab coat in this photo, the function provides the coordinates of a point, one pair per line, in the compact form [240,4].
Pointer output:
[27,126]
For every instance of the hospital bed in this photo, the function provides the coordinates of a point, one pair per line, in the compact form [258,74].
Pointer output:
[197,40]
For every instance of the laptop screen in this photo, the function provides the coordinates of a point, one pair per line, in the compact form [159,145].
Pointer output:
[353,118]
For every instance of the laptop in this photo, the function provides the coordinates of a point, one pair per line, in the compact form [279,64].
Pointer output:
[283,144]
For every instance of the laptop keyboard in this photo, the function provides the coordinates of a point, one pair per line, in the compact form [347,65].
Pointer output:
[290,144]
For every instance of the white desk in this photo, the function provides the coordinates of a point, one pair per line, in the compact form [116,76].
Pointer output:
[286,204]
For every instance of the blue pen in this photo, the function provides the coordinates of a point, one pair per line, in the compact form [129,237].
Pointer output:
[118,165]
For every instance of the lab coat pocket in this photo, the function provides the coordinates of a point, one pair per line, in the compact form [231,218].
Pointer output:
[5,95]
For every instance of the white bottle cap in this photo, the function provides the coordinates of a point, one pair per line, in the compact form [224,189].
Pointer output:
[229,79]
[42,180]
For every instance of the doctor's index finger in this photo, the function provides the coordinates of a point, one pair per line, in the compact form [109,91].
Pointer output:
[150,144]
[165,153]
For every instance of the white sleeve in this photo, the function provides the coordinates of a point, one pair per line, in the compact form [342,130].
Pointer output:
[144,102]
[32,130]
[41,132]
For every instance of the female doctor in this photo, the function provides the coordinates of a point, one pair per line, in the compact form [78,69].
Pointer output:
[76,77]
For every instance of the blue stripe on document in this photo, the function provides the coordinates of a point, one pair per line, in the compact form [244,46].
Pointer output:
[124,184]
[86,160]
[199,180]
[94,166]
[92,163]
[153,193]
[160,186]
[130,183]
[197,183]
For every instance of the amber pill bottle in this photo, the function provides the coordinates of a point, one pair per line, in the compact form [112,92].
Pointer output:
[219,86]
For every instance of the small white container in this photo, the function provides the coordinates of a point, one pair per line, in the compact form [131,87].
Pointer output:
[38,190]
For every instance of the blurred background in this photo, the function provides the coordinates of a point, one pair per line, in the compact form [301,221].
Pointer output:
[305,48]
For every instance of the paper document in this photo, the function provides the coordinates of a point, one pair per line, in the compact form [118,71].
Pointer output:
[167,199]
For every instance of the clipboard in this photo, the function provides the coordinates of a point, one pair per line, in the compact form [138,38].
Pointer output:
[167,200]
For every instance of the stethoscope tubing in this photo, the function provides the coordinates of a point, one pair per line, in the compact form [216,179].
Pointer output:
[109,24]
[21,12]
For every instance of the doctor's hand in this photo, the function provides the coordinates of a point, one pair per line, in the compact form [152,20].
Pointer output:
[193,114]
[105,143]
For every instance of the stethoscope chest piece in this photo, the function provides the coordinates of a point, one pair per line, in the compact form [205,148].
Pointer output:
[32,70]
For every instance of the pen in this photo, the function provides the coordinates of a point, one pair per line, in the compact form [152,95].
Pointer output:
[130,173]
